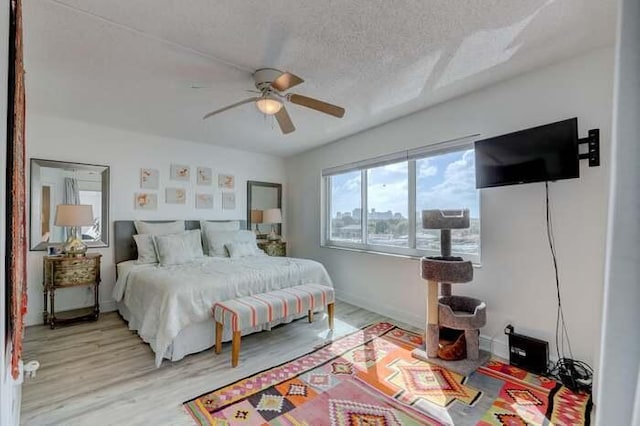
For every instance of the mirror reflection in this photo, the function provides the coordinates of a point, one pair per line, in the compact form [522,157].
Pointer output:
[261,197]
[55,183]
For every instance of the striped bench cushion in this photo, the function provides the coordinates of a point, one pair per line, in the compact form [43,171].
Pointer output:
[251,311]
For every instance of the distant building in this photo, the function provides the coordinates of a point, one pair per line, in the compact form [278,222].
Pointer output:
[374,215]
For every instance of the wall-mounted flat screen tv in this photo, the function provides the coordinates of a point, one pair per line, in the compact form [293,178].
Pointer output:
[543,153]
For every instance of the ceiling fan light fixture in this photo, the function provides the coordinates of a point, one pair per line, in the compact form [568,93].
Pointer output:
[268,106]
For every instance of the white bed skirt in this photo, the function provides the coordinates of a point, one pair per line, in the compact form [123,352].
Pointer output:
[196,337]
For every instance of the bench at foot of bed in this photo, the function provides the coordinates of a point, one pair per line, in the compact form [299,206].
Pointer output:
[251,311]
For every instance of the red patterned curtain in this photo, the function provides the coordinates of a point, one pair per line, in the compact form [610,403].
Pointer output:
[16,197]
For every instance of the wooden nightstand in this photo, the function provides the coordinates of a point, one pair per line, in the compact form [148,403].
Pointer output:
[64,272]
[273,248]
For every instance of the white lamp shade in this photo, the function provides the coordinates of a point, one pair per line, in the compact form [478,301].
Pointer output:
[272,216]
[74,215]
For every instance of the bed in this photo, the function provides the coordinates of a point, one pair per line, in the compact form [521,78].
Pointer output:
[170,306]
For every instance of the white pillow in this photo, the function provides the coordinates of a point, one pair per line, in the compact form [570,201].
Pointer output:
[218,239]
[159,228]
[172,249]
[206,226]
[232,225]
[146,248]
[193,242]
[241,249]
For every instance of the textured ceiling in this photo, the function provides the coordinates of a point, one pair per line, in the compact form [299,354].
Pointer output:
[131,63]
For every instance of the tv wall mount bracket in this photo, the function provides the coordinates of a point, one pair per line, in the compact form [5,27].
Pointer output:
[593,148]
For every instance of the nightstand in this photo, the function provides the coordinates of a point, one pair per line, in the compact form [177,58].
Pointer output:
[64,272]
[273,248]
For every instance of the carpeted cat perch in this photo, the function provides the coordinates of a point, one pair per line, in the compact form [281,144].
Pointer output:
[453,322]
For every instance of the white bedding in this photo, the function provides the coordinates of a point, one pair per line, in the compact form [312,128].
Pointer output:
[166,299]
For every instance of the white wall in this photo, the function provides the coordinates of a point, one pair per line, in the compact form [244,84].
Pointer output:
[620,363]
[516,278]
[126,152]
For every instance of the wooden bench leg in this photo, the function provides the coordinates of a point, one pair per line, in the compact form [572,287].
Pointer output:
[330,307]
[218,337]
[235,348]
[310,315]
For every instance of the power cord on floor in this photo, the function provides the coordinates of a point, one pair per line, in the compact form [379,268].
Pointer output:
[575,375]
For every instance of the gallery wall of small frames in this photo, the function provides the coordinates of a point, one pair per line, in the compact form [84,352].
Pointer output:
[175,192]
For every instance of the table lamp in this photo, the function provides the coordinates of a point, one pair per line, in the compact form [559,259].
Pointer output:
[74,216]
[256,218]
[272,216]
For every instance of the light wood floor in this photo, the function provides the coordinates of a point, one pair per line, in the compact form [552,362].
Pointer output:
[101,373]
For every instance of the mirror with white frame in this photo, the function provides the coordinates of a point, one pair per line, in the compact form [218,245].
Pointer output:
[59,182]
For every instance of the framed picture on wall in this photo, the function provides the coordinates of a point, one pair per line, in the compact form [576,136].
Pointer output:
[226,181]
[149,179]
[146,201]
[204,201]
[228,200]
[180,172]
[176,195]
[204,176]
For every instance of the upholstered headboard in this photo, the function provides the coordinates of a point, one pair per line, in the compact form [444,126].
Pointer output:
[124,230]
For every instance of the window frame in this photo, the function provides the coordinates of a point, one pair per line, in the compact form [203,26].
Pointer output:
[363,166]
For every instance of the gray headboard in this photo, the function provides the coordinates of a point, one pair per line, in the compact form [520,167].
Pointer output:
[124,230]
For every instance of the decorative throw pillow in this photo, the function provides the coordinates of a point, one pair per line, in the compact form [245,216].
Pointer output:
[193,243]
[218,240]
[172,249]
[159,228]
[146,248]
[206,226]
[241,249]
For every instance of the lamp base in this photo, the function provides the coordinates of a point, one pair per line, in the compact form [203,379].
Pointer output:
[74,247]
[273,236]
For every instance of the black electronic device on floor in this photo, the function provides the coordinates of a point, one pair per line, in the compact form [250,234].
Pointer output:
[526,352]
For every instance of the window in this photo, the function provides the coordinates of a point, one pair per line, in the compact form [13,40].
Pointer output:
[368,203]
[387,203]
[448,181]
[346,207]
[94,199]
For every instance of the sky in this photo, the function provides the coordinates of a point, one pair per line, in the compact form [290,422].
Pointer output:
[445,181]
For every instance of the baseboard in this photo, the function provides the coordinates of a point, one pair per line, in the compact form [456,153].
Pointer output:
[108,306]
[498,348]
[383,309]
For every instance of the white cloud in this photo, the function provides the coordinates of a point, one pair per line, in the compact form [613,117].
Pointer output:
[351,185]
[393,168]
[388,196]
[457,190]
[426,169]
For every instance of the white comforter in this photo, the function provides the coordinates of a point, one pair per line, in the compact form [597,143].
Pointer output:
[170,298]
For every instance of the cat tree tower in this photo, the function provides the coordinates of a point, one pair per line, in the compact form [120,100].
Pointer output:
[453,322]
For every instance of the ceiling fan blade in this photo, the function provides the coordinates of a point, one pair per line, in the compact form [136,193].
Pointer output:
[286,81]
[312,103]
[246,101]
[286,125]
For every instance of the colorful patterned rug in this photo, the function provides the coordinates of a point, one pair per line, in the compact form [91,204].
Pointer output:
[370,379]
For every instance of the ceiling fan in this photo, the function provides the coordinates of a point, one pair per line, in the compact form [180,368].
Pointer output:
[271,84]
